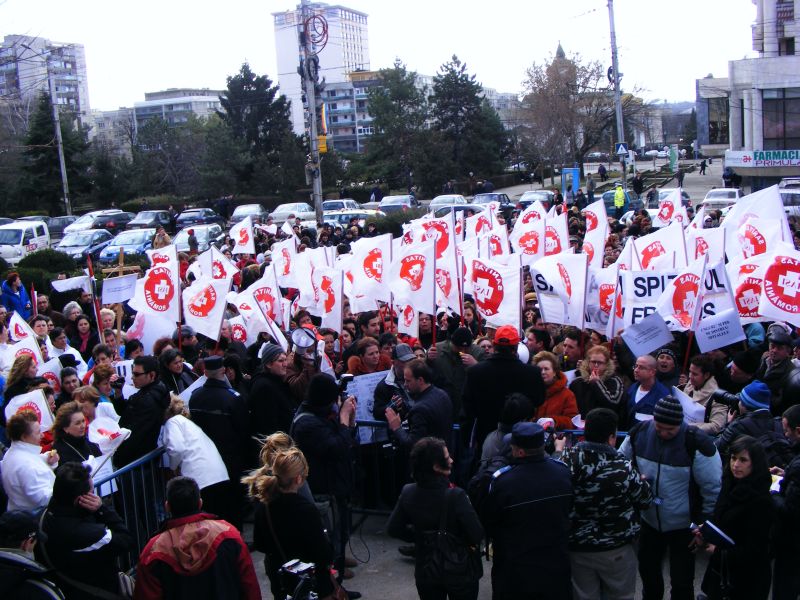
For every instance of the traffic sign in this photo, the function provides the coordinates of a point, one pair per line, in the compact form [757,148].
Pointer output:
[622,148]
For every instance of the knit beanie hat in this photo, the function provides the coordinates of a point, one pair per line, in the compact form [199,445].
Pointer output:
[669,352]
[755,395]
[668,411]
[747,360]
[322,390]
[269,352]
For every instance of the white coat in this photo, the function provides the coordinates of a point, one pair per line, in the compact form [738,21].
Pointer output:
[193,451]
[27,478]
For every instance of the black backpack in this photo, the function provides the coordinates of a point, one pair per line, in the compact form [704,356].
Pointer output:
[776,446]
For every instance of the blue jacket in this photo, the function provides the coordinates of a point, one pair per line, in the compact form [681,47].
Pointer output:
[646,404]
[668,467]
[18,302]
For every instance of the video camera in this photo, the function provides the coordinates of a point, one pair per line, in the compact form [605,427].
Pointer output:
[726,398]
[297,580]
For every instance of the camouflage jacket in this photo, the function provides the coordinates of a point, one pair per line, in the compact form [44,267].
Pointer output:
[608,496]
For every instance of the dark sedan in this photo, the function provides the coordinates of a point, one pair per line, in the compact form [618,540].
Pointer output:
[81,244]
[114,222]
[198,216]
[152,219]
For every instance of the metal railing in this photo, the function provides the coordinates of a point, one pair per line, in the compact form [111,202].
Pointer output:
[139,499]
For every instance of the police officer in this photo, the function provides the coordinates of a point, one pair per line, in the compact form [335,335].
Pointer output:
[527,516]
[619,201]
[221,412]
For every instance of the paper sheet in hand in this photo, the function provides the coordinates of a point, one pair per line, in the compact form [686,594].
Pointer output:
[651,333]
[718,331]
[692,411]
[119,289]
[186,394]
[363,388]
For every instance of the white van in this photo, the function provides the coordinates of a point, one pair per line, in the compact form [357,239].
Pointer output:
[20,238]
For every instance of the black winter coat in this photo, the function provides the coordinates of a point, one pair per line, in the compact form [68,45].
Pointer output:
[272,405]
[430,416]
[144,416]
[488,385]
[73,449]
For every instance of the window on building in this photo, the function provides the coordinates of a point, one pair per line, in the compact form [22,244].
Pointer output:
[718,120]
[781,119]
[786,46]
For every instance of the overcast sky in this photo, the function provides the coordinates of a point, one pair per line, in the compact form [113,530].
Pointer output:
[150,45]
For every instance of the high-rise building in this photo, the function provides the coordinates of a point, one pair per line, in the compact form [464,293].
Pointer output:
[346,50]
[28,63]
[176,104]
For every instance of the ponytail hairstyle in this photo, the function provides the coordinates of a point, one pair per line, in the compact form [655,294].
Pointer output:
[272,444]
[266,483]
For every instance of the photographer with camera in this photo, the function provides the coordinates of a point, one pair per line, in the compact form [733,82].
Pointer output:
[390,392]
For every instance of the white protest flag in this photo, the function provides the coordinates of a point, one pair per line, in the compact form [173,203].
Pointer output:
[746,279]
[601,287]
[107,434]
[27,346]
[758,236]
[158,293]
[556,235]
[466,251]
[594,244]
[561,288]
[460,220]
[19,328]
[368,266]
[497,290]
[665,248]
[717,292]
[780,292]
[552,213]
[765,204]
[595,215]
[693,412]
[147,328]
[701,242]
[440,231]
[678,304]
[35,402]
[667,207]
[51,370]
[204,305]
[215,264]
[699,218]
[641,291]
[330,283]
[306,263]
[626,261]
[243,239]
[498,241]
[408,320]
[81,282]
[681,216]
[528,240]
[477,224]
[165,257]
[239,331]
[283,257]
[534,212]
[413,277]
[265,293]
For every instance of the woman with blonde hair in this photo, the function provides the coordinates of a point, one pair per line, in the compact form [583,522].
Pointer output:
[598,385]
[20,377]
[88,398]
[288,525]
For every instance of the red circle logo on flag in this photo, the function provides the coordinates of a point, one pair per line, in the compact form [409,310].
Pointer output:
[482,224]
[407,239]
[408,315]
[157,258]
[266,300]
[552,242]
[326,286]
[564,274]
[19,332]
[436,230]
[53,380]
[239,332]
[373,264]
[588,250]
[591,220]
[606,293]
[652,251]
[529,243]
[32,407]
[747,296]
[531,216]
[244,237]
[488,288]
[245,306]
[287,261]
[782,284]
[203,302]
[700,247]
[218,270]
[412,270]
[684,298]
[159,289]
[444,281]
[459,225]
[666,211]
[752,241]
[495,245]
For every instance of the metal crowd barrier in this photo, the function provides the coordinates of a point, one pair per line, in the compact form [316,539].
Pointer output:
[140,491]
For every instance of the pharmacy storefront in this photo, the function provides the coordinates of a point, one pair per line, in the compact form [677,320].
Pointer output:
[763,168]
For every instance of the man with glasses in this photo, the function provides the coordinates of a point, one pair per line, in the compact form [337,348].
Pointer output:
[144,411]
[645,391]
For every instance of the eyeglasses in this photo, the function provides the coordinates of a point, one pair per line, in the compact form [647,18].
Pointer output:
[135,374]
[597,362]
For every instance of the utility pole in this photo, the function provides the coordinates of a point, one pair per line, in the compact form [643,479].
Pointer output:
[617,95]
[59,140]
[309,72]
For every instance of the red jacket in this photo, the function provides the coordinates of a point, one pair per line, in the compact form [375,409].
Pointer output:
[559,404]
[193,557]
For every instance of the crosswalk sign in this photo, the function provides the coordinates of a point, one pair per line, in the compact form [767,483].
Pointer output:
[622,148]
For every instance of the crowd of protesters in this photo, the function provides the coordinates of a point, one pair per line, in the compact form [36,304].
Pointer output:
[271,437]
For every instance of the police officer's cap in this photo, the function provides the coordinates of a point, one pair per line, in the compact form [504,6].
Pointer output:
[526,435]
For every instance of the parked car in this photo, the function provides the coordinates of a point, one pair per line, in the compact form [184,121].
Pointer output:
[301,210]
[467,209]
[546,197]
[43,218]
[56,225]
[205,234]
[664,192]
[88,221]
[791,201]
[720,198]
[627,218]
[342,204]
[391,204]
[18,239]
[81,244]
[6,220]
[199,216]
[506,205]
[132,243]
[630,204]
[448,200]
[343,217]
[152,219]
[256,212]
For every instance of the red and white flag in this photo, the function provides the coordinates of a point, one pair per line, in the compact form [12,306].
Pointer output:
[478,224]
[678,304]
[764,204]
[204,305]
[601,288]
[19,328]
[263,293]
[306,263]
[528,240]
[239,331]
[163,257]
[413,276]
[534,212]
[699,218]
[408,320]
[665,248]
[595,215]
[667,208]
[51,370]
[497,239]
[556,235]
[368,268]
[701,242]
[626,261]
[497,290]
[283,257]
[242,235]
[215,264]
[780,293]
[681,216]
[594,244]
[158,292]
[747,279]
[330,283]
[34,402]
[758,236]
[27,346]
[561,288]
